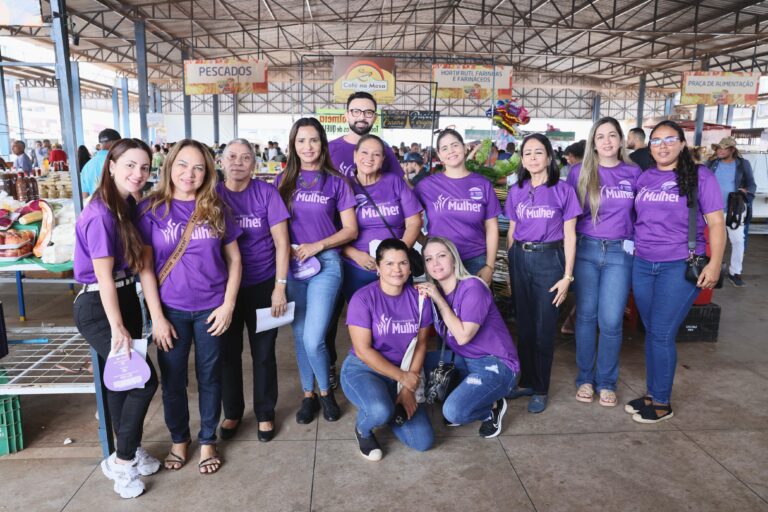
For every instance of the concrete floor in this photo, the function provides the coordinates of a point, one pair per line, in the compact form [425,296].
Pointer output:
[574,457]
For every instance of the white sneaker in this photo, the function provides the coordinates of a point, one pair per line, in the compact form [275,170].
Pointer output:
[125,476]
[145,463]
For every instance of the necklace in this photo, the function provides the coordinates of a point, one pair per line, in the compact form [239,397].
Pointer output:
[304,184]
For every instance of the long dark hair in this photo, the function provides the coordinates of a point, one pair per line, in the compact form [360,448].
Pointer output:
[293,165]
[553,173]
[108,194]
[686,170]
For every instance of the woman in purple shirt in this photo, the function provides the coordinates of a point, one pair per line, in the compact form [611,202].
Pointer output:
[107,312]
[197,299]
[315,193]
[265,249]
[383,318]
[542,213]
[470,324]
[462,207]
[605,183]
[389,196]
[662,293]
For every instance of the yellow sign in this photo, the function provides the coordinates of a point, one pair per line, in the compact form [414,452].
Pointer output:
[225,76]
[368,74]
[472,81]
[335,125]
[719,88]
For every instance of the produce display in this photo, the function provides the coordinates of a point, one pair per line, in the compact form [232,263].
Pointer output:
[52,242]
[15,245]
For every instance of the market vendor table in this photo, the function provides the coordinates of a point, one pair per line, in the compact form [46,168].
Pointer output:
[33,264]
[54,361]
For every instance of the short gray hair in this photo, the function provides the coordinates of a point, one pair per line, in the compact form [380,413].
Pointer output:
[244,142]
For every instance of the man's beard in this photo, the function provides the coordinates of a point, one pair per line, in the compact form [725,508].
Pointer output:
[360,130]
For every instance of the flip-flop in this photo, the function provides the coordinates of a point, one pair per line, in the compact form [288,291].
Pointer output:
[210,462]
[174,458]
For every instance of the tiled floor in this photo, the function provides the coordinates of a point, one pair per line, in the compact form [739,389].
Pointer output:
[574,457]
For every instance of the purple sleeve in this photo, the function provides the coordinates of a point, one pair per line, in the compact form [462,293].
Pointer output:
[276,210]
[493,208]
[358,313]
[391,164]
[573,176]
[710,198]
[232,229]
[571,208]
[475,301]
[99,236]
[426,314]
[345,199]
[408,200]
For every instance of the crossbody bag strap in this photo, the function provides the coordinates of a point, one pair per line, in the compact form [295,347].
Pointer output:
[178,252]
[444,335]
[368,196]
[692,224]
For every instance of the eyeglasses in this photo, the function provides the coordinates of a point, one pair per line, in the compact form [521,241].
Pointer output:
[667,141]
[356,112]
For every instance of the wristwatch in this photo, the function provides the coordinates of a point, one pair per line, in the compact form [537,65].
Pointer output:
[569,278]
[281,281]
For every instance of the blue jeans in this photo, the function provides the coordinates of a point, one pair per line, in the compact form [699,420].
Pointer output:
[663,297]
[374,396]
[603,272]
[315,298]
[355,278]
[473,265]
[485,380]
[173,370]
[533,274]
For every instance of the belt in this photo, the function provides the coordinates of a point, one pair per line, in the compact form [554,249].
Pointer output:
[539,246]
[120,280]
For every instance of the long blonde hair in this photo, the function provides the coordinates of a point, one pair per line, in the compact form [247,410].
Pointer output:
[459,270]
[588,188]
[207,201]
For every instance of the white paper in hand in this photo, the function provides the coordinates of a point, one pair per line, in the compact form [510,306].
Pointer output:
[265,321]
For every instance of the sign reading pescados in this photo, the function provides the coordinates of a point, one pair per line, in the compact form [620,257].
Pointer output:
[225,76]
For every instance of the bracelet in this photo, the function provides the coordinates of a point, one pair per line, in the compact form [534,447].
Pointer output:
[281,281]
[569,278]
[487,265]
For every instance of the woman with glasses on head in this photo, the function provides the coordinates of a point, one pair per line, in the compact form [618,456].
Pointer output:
[605,183]
[462,207]
[315,193]
[107,312]
[196,299]
[265,247]
[663,295]
[541,244]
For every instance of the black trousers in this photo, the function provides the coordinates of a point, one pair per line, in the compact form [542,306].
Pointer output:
[127,409]
[249,299]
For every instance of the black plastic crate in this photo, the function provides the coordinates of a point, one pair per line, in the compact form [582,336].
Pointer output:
[701,324]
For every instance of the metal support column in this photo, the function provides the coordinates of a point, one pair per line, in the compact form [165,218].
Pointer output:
[700,113]
[126,116]
[115,109]
[153,109]
[141,72]
[187,100]
[754,116]
[5,119]
[669,104]
[235,108]
[640,102]
[720,112]
[596,108]
[216,119]
[729,116]
[64,78]
[77,105]
[19,112]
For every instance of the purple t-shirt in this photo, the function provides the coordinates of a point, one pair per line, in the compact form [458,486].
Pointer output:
[96,236]
[343,158]
[458,208]
[539,213]
[393,321]
[315,205]
[256,209]
[472,301]
[617,202]
[199,279]
[395,200]
[661,229]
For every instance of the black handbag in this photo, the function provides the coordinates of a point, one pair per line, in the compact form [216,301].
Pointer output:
[695,264]
[735,208]
[443,379]
[414,257]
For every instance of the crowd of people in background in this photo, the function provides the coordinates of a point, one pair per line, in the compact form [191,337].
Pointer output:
[343,224]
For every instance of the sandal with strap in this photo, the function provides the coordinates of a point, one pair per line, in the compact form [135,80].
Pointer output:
[585,393]
[608,398]
[214,462]
[634,406]
[173,459]
[649,413]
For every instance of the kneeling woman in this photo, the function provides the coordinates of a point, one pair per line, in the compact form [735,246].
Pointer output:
[470,323]
[107,312]
[383,318]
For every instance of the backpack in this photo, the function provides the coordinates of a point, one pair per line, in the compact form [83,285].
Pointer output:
[735,209]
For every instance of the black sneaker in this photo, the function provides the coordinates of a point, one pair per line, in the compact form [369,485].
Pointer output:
[369,447]
[634,406]
[333,377]
[736,280]
[650,414]
[309,408]
[492,426]
[331,411]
